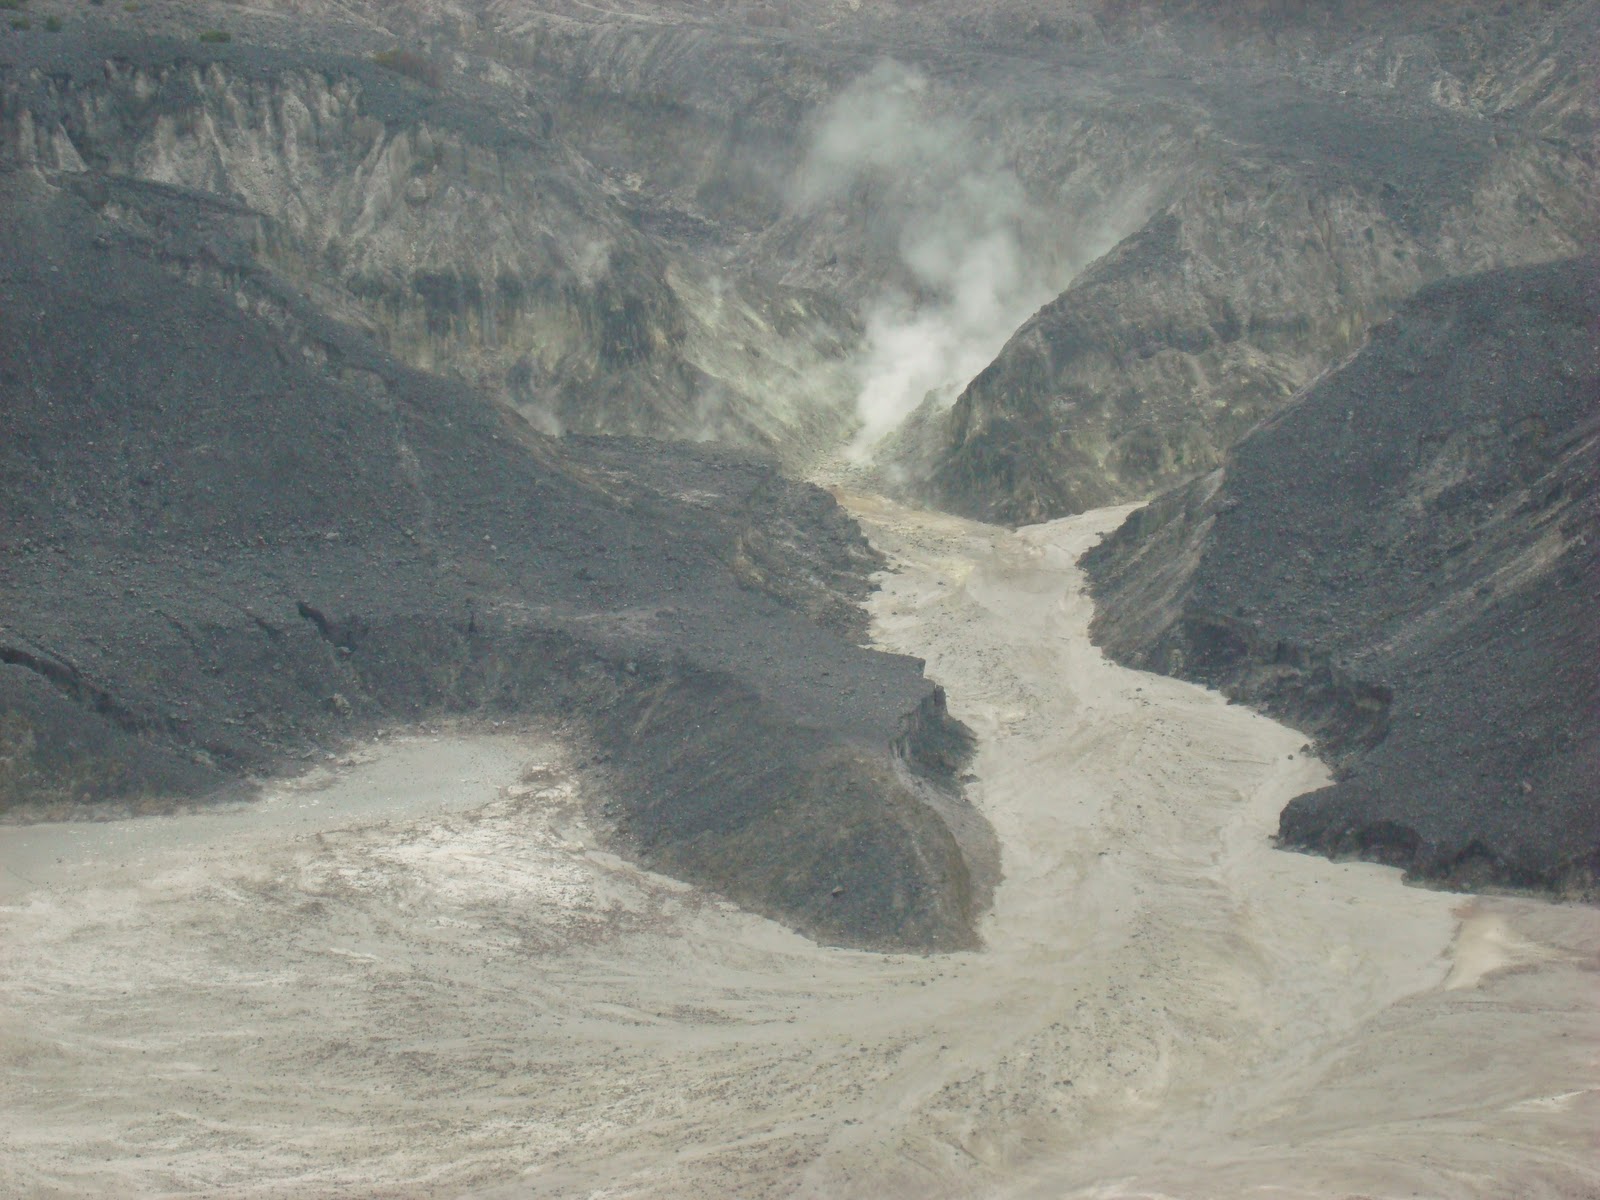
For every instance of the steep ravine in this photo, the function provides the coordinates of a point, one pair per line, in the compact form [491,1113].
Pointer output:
[655,219]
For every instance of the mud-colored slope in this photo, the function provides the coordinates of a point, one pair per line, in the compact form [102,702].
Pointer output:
[1404,563]
[234,532]
[462,995]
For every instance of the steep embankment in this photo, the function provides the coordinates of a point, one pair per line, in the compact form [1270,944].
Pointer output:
[1405,564]
[235,531]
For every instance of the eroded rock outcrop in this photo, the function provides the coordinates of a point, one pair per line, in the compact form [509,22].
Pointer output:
[451,223]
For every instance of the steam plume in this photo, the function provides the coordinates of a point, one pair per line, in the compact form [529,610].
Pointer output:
[960,220]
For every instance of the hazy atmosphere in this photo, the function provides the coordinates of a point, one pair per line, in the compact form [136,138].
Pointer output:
[975,257]
[799,598]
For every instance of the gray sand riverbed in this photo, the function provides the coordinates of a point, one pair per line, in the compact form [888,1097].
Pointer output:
[415,974]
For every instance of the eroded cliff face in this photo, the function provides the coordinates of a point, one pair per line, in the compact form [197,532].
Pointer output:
[455,228]
[1253,188]
[1269,180]
[791,225]
[630,221]
[1403,563]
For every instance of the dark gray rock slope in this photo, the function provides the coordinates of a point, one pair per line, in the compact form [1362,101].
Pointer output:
[1406,564]
[233,531]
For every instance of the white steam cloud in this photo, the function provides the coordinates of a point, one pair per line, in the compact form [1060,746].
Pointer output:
[961,224]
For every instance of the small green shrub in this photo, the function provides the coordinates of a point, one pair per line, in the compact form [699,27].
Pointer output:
[53,24]
[21,23]
[410,64]
[10,5]
[216,37]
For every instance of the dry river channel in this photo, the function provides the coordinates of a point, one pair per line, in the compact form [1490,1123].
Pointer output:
[412,972]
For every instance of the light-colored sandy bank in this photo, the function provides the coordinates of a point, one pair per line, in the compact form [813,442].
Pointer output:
[417,976]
